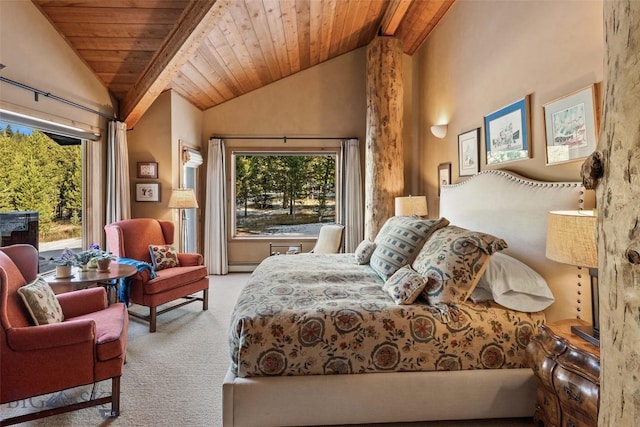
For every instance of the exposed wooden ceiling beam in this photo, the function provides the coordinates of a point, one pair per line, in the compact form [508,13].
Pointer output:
[393,16]
[195,24]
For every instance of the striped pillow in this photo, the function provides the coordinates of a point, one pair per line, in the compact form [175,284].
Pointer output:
[399,240]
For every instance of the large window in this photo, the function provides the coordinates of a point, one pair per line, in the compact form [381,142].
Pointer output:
[41,173]
[284,194]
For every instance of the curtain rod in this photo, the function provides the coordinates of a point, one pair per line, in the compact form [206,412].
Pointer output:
[37,92]
[283,138]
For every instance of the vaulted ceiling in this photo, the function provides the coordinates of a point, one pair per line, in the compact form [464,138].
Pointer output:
[211,51]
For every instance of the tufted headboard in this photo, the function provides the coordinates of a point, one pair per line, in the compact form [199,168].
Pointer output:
[515,208]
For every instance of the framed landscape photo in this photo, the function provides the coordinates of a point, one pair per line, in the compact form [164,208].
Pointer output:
[507,133]
[148,192]
[148,170]
[468,152]
[444,175]
[571,127]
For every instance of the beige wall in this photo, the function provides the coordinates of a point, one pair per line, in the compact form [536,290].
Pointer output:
[327,100]
[485,55]
[150,141]
[156,138]
[36,55]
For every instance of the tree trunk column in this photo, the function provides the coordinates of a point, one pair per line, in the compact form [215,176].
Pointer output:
[384,168]
[617,198]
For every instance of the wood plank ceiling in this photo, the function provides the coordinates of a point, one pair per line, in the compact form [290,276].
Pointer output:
[211,51]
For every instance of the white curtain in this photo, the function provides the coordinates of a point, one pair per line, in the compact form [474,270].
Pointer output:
[118,194]
[215,230]
[352,205]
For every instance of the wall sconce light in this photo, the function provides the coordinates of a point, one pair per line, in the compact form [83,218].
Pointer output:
[439,131]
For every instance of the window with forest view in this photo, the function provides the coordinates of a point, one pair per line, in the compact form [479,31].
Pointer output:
[284,194]
[37,174]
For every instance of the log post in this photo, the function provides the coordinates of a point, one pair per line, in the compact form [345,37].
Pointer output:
[384,167]
[617,195]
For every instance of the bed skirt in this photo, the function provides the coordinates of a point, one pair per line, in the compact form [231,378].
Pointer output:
[377,398]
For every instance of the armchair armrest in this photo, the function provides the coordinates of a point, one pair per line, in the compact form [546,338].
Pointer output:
[189,259]
[81,302]
[30,338]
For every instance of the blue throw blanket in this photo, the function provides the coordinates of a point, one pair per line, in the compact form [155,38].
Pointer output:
[124,289]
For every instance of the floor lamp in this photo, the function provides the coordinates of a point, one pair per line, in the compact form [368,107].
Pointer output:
[183,198]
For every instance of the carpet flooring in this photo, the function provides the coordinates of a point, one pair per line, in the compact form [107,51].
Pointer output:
[174,376]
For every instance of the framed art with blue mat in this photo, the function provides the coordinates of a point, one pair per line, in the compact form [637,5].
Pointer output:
[507,133]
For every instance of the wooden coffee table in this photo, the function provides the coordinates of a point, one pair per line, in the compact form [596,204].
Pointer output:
[93,277]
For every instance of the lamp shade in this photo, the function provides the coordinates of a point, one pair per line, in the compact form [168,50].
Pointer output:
[183,198]
[411,205]
[571,238]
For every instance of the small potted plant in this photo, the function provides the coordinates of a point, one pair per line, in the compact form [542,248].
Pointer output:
[99,259]
[83,258]
[64,262]
[103,260]
[98,254]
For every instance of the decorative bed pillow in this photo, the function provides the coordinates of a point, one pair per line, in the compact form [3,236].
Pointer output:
[515,285]
[364,251]
[399,240]
[163,256]
[453,260]
[405,285]
[41,302]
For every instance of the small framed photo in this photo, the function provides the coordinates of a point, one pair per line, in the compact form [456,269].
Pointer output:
[148,192]
[507,133]
[571,126]
[468,152]
[444,175]
[148,170]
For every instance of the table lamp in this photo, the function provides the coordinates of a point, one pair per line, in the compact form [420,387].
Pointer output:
[571,239]
[411,205]
[183,198]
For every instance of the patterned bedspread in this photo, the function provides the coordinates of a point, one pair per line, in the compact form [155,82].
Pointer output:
[313,314]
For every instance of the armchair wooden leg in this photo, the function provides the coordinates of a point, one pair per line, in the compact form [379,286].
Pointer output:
[115,396]
[152,319]
[205,299]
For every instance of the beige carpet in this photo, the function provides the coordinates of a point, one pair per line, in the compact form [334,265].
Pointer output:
[174,376]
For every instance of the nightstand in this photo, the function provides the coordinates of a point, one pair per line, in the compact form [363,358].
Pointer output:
[567,371]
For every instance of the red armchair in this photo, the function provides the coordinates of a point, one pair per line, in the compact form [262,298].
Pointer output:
[87,347]
[131,239]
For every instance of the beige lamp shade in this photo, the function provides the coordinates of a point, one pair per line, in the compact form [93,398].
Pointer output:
[411,205]
[571,238]
[183,198]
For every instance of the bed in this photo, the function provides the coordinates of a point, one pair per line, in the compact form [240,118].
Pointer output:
[284,385]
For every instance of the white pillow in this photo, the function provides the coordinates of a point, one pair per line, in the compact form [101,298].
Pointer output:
[515,285]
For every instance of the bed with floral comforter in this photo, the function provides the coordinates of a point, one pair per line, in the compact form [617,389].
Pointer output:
[316,314]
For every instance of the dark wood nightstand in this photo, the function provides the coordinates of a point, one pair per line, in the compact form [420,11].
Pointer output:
[567,370]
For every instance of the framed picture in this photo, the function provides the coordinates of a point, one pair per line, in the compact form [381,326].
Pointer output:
[148,192]
[468,152]
[507,133]
[148,170]
[571,126]
[444,175]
